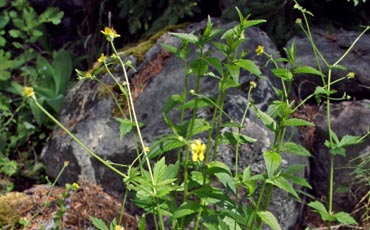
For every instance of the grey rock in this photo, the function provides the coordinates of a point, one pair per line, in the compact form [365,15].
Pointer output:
[333,45]
[347,118]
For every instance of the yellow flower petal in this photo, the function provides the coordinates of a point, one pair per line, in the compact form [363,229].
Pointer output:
[198,149]
[28,91]
[260,50]
[110,33]
[102,58]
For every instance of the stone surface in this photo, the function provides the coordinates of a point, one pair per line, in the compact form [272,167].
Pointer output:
[332,46]
[88,113]
[348,118]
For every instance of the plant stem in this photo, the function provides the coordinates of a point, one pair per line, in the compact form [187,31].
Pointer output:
[78,141]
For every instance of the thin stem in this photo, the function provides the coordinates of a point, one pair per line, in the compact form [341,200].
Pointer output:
[134,116]
[77,140]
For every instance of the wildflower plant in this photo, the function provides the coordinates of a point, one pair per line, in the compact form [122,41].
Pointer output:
[197,190]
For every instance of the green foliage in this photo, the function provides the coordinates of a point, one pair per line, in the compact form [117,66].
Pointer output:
[23,63]
[151,16]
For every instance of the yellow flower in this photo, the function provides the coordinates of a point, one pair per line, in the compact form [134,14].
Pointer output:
[28,91]
[119,227]
[198,149]
[351,75]
[253,84]
[260,50]
[110,34]
[102,58]
[75,186]
[298,21]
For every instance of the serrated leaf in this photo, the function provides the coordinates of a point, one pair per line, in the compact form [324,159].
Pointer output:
[268,121]
[191,38]
[283,73]
[172,102]
[223,173]
[215,63]
[345,218]
[125,126]
[234,138]
[272,162]
[229,223]
[318,207]
[249,65]
[199,67]
[98,223]
[297,122]
[295,149]
[307,70]
[187,208]
[282,183]
[269,219]
[164,144]
[234,71]
[199,126]
[348,140]
[201,103]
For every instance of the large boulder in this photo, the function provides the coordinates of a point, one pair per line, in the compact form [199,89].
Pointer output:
[89,114]
[347,118]
[332,46]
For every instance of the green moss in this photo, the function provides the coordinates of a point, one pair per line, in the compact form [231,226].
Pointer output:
[139,50]
[12,206]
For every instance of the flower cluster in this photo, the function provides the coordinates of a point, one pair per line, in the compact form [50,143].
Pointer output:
[198,149]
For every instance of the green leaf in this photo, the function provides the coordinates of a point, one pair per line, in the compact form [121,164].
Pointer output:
[295,149]
[282,183]
[348,140]
[125,126]
[269,219]
[223,173]
[272,162]
[283,73]
[6,65]
[15,33]
[187,208]
[234,71]
[307,70]
[164,144]
[62,66]
[297,122]
[191,38]
[249,65]
[229,223]
[172,102]
[229,83]
[233,138]
[98,223]
[266,119]
[203,102]
[318,207]
[215,63]
[55,103]
[199,126]
[2,3]
[345,218]
[199,67]
[52,14]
